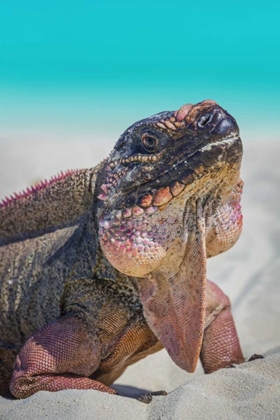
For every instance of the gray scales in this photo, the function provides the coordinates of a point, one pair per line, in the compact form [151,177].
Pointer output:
[101,267]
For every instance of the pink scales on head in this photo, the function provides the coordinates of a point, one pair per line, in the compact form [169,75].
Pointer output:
[181,114]
[35,188]
[189,110]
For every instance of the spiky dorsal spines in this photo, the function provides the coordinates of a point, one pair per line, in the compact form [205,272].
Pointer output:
[47,205]
[33,189]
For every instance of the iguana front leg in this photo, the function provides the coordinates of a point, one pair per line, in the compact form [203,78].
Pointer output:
[220,345]
[60,356]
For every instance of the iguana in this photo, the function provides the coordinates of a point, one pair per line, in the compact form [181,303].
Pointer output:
[102,267]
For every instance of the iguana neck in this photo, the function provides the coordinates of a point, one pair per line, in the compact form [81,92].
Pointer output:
[48,205]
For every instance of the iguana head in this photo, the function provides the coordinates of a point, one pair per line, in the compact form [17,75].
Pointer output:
[157,167]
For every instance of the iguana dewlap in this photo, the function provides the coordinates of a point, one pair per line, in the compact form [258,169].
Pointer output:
[101,267]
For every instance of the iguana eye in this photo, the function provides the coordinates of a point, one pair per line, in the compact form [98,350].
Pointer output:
[150,143]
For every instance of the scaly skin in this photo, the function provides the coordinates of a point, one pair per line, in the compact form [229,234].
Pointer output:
[101,267]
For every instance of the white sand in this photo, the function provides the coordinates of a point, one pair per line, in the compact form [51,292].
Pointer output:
[250,391]
[249,274]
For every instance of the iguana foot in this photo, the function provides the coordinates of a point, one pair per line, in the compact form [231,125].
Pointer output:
[147,398]
[230,366]
[255,357]
[251,359]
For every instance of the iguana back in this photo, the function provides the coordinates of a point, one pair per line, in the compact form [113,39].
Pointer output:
[48,205]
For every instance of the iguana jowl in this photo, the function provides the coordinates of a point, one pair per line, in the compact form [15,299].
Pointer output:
[101,267]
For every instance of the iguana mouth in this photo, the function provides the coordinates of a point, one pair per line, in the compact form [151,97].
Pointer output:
[173,181]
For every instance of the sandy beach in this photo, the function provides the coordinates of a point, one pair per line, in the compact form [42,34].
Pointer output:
[248,274]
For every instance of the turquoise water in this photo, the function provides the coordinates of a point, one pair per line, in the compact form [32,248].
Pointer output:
[100,64]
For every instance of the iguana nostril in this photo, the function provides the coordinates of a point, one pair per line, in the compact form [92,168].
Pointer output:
[205,119]
[226,126]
